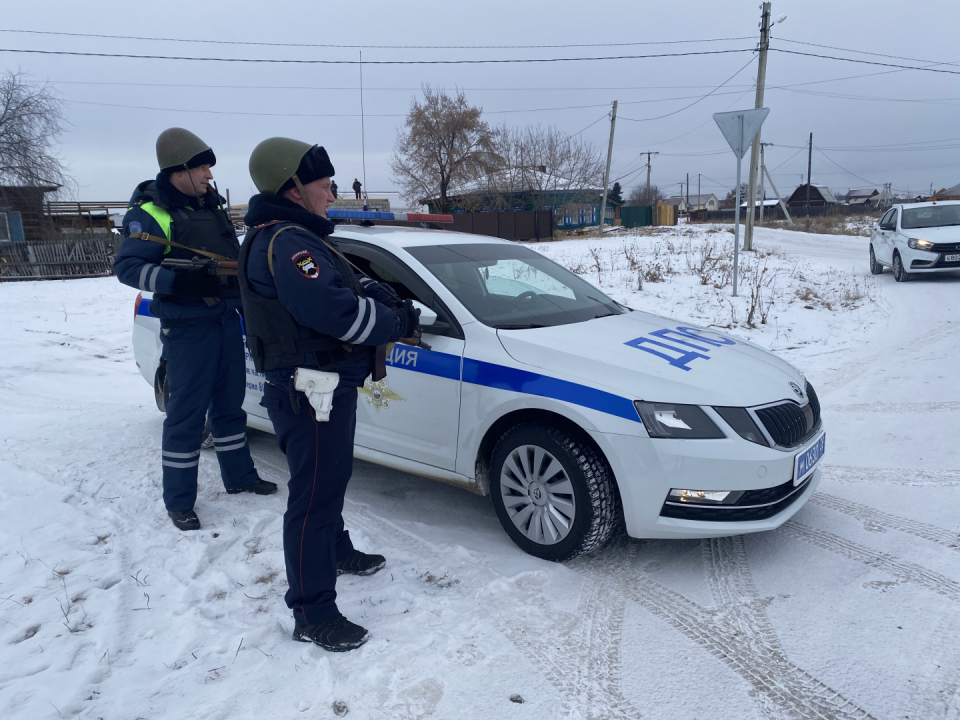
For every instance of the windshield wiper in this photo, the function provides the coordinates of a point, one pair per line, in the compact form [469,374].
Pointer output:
[527,326]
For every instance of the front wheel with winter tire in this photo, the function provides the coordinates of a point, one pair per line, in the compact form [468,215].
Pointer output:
[554,494]
[875,267]
[899,273]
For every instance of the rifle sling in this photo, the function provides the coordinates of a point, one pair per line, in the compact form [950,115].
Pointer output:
[164,241]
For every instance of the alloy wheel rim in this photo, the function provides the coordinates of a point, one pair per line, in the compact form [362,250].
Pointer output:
[537,494]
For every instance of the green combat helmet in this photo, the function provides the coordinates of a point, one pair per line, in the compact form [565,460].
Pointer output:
[275,161]
[178,148]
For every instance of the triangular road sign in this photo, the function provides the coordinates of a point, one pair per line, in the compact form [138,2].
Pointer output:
[738,134]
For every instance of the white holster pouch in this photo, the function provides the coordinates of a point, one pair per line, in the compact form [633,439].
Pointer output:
[318,386]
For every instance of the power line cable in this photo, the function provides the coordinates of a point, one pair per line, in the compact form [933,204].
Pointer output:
[868,62]
[802,148]
[494,61]
[370,47]
[700,99]
[858,177]
[863,52]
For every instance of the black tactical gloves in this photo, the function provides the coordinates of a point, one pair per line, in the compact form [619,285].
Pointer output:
[409,319]
[196,284]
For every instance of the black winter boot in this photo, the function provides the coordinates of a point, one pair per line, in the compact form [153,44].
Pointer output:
[185,519]
[337,635]
[258,487]
[359,563]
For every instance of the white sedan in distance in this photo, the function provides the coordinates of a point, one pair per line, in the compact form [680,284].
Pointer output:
[576,414]
[917,238]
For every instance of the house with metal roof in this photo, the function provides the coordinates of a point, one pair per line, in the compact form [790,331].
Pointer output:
[952,193]
[819,195]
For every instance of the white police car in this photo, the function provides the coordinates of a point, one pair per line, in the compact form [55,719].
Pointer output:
[917,238]
[570,410]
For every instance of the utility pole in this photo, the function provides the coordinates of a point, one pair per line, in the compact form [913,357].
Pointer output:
[755,150]
[809,177]
[606,174]
[648,175]
[688,192]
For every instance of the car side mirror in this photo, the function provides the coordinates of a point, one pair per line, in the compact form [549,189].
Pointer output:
[428,317]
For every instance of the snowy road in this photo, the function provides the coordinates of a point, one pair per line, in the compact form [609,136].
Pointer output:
[851,610]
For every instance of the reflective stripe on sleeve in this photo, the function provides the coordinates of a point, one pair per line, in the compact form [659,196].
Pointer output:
[143,277]
[361,313]
[153,278]
[370,323]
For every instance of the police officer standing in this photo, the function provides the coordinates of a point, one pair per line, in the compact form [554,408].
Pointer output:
[356,187]
[306,309]
[179,216]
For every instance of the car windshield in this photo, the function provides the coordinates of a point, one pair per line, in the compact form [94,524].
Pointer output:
[930,216]
[511,287]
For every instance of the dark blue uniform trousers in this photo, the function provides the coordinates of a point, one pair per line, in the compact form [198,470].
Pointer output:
[205,371]
[320,457]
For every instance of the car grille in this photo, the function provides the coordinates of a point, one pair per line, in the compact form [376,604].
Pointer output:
[753,505]
[790,424]
[949,248]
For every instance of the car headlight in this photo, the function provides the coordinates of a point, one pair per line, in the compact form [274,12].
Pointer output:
[917,244]
[704,497]
[741,422]
[666,420]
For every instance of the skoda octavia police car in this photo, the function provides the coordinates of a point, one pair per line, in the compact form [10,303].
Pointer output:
[573,412]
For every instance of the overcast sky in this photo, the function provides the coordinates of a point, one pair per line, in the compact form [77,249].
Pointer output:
[108,144]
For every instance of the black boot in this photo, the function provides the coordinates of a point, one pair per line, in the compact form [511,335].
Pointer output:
[185,519]
[360,563]
[337,635]
[258,487]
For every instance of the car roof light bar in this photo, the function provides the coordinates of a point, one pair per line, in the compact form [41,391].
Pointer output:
[395,217]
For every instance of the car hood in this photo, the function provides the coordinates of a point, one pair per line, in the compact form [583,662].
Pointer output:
[646,357]
[934,234]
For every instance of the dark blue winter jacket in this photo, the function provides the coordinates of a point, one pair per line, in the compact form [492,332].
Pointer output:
[311,288]
[137,263]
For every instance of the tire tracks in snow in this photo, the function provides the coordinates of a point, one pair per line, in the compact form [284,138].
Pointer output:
[850,475]
[903,570]
[878,521]
[733,633]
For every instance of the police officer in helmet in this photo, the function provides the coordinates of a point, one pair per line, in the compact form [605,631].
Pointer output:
[179,215]
[307,311]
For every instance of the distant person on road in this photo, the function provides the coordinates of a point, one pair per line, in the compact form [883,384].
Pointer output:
[333,188]
[356,187]
[180,216]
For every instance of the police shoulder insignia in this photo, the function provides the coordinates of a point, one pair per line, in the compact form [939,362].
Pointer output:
[306,264]
[135,228]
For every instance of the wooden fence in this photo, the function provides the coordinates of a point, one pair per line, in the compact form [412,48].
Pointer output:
[59,258]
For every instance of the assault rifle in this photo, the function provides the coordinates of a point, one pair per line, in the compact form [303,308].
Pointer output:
[213,267]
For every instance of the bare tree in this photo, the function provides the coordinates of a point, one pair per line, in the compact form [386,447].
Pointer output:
[443,146]
[31,119]
[546,167]
[640,196]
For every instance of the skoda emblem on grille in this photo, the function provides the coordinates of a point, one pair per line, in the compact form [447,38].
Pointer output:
[796,389]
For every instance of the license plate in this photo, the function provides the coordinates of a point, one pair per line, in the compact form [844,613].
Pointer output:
[806,462]
[951,258]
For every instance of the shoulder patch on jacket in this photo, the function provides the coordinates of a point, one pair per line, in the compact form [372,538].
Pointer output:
[305,263]
[135,228]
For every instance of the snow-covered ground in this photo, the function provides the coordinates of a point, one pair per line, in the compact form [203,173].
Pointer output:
[851,610]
